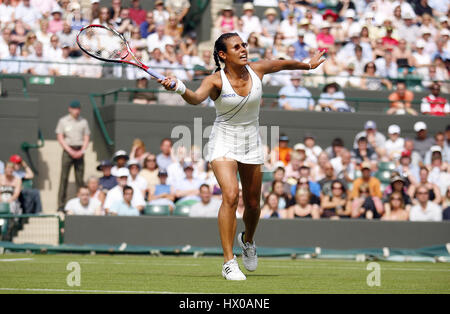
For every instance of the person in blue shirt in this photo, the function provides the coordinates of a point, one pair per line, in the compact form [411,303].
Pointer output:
[124,207]
[148,26]
[301,48]
[303,100]
[108,181]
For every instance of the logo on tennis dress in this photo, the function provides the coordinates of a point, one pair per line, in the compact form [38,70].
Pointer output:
[228,95]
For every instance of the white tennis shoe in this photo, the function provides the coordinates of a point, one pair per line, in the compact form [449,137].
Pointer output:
[231,270]
[249,257]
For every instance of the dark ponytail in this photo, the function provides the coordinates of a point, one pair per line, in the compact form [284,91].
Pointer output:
[220,45]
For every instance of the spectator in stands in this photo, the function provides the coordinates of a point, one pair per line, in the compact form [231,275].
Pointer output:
[359,61]
[39,65]
[371,81]
[283,151]
[29,198]
[251,21]
[335,205]
[311,149]
[162,193]
[103,17]
[73,134]
[333,66]
[344,167]
[425,210]
[270,207]
[434,104]
[270,25]
[404,57]
[325,39]
[295,97]
[301,48]
[188,187]
[4,41]
[422,142]
[395,144]
[327,181]
[12,62]
[83,204]
[115,195]
[77,20]
[125,207]
[372,182]
[10,188]
[293,167]
[375,139]
[148,27]
[401,100]
[434,193]
[365,205]
[150,171]
[107,181]
[386,66]
[255,49]
[144,98]
[446,205]
[178,8]
[397,185]
[284,196]
[312,187]
[138,151]
[173,29]
[164,159]
[302,207]
[120,159]
[27,14]
[95,190]
[123,24]
[439,139]
[363,153]
[68,37]
[396,209]
[278,175]
[332,99]
[134,179]
[438,173]
[208,206]
[160,13]
[56,23]
[337,145]
[137,14]
[227,21]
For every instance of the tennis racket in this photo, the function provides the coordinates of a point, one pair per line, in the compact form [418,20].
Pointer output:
[106,44]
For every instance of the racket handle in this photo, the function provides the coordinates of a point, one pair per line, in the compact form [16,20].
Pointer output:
[159,76]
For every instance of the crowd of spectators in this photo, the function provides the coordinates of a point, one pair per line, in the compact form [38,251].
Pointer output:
[369,44]
[380,177]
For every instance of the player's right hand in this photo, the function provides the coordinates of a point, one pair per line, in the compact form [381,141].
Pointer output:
[167,82]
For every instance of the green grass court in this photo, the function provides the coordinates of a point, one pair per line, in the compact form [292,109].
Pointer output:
[28,273]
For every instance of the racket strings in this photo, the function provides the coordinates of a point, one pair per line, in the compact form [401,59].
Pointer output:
[103,43]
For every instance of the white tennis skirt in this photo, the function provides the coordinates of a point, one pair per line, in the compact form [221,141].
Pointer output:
[239,142]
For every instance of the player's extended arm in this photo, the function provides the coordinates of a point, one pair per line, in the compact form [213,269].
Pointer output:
[272,66]
[191,97]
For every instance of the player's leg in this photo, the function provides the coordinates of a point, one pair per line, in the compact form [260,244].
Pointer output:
[225,172]
[251,179]
[226,175]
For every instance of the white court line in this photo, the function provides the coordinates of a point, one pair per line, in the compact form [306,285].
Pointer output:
[16,259]
[94,291]
[361,268]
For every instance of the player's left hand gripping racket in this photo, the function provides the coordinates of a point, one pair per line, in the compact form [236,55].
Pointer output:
[106,44]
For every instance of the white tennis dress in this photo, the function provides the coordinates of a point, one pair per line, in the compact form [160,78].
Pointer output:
[235,133]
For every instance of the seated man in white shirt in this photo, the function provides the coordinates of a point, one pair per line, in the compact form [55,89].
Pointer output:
[116,193]
[135,179]
[188,188]
[83,204]
[425,210]
[395,144]
[13,61]
[208,207]
[125,207]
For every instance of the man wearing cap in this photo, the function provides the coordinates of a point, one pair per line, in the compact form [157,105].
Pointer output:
[120,158]
[162,193]
[107,181]
[188,187]
[394,145]
[434,104]
[376,139]
[408,30]
[283,151]
[440,145]
[116,194]
[56,22]
[135,179]
[301,48]
[422,142]
[295,97]
[72,133]
[269,25]
[251,22]
[373,183]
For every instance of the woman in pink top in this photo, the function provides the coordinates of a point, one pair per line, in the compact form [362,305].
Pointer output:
[55,25]
[324,39]
[227,22]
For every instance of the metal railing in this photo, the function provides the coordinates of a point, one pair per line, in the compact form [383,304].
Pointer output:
[14,77]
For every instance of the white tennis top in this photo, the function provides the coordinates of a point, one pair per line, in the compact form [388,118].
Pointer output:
[235,133]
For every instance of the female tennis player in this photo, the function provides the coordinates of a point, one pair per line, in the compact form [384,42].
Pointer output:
[235,144]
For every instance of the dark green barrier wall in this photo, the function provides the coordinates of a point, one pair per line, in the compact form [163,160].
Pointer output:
[203,232]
